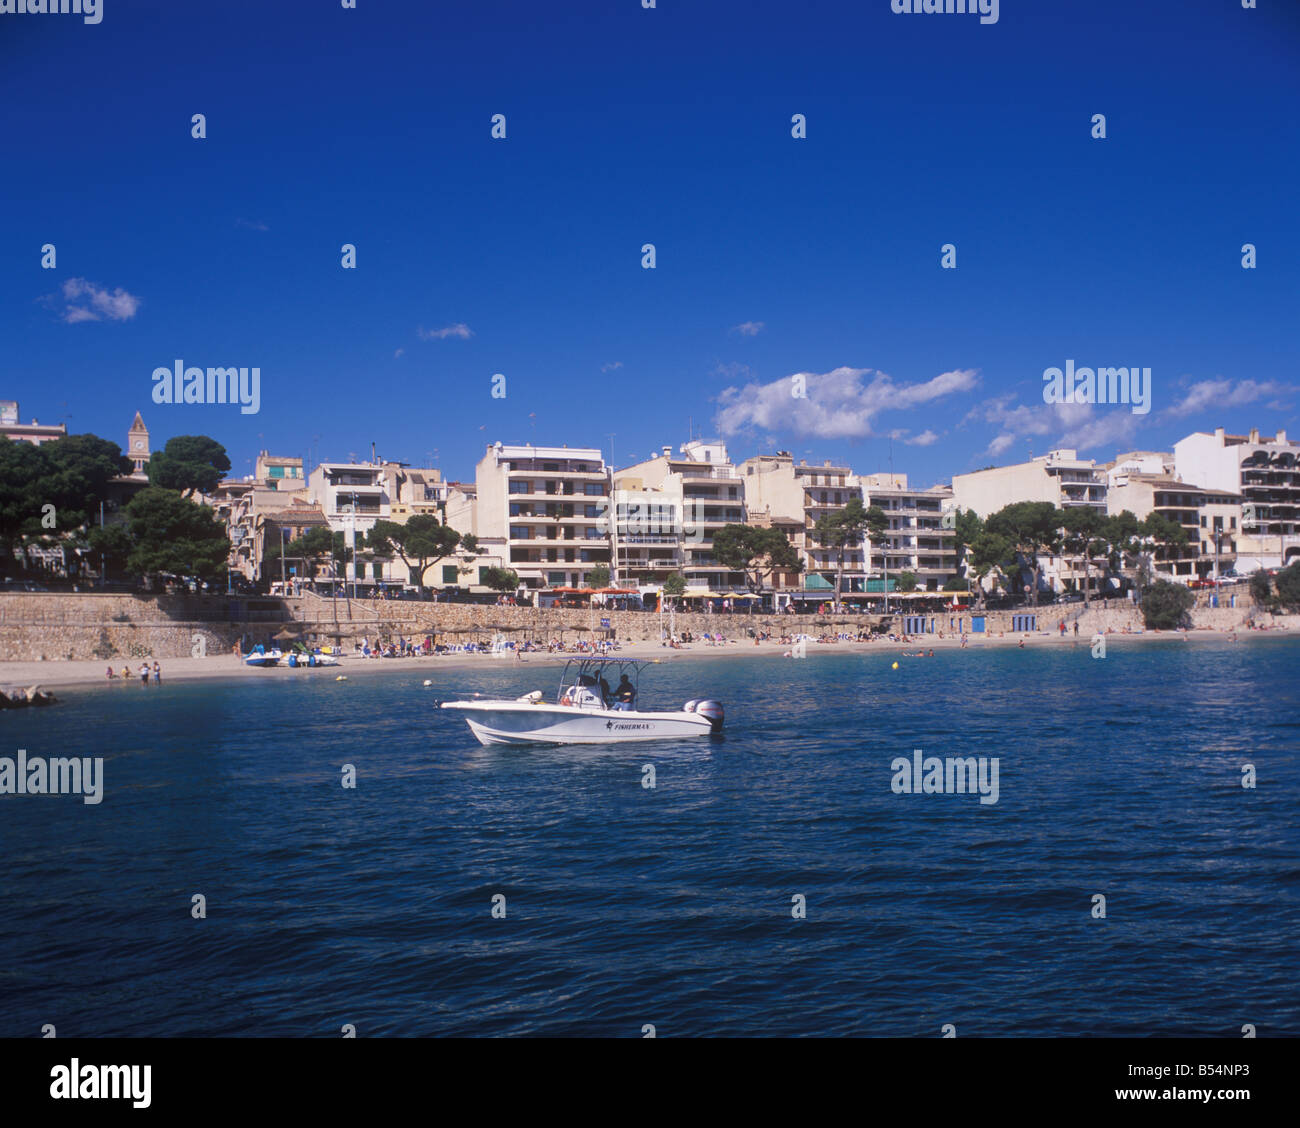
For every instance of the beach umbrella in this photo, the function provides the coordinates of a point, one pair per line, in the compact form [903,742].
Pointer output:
[286,634]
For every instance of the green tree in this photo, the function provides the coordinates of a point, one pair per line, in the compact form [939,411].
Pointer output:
[1288,584]
[1083,527]
[990,554]
[844,529]
[315,546]
[421,543]
[189,462]
[598,577]
[501,579]
[172,535]
[1031,528]
[78,470]
[1261,591]
[756,552]
[906,581]
[110,548]
[956,583]
[674,587]
[1165,605]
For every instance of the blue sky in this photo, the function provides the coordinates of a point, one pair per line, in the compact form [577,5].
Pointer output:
[671,126]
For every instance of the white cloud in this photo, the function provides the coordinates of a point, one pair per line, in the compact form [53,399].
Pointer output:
[925,438]
[613,367]
[1217,394]
[1078,426]
[252,224]
[840,404]
[748,328]
[461,330]
[398,353]
[89,302]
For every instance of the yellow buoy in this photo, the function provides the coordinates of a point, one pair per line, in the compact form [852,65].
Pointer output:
[895,666]
[342,678]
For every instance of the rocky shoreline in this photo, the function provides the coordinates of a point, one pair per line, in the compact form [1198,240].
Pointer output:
[19,697]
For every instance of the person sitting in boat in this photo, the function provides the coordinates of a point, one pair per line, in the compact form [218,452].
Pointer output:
[624,694]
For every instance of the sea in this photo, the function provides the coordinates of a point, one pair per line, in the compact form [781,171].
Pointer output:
[1137,875]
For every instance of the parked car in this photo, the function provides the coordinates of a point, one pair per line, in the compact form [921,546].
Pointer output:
[1072,597]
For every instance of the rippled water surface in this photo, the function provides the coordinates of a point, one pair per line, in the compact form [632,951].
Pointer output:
[672,906]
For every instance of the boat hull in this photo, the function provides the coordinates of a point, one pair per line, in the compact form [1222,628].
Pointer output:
[519,723]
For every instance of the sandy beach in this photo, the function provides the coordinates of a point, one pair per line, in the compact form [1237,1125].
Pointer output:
[54,675]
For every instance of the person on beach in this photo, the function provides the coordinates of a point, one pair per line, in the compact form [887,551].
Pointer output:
[144,673]
[126,673]
[157,674]
[111,675]
[1076,628]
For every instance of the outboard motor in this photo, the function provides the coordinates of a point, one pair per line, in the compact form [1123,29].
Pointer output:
[712,710]
[689,707]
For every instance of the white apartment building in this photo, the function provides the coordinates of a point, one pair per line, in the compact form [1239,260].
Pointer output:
[547,505]
[915,541]
[1059,477]
[711,493]
[794,496]
[647,544]
[1264,473]
[1209,517]
[351,494]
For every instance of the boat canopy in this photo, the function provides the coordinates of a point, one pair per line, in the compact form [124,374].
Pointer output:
[589,671]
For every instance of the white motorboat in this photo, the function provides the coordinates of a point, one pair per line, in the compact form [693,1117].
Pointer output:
[586,711]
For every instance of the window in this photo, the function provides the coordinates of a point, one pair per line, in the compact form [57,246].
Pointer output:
[521,532]
[449,574]
[519,487]
[591,511]
[555,578]
[594,489]
[550,465]
[483,570]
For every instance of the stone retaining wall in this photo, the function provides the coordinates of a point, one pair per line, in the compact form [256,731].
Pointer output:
[56,626]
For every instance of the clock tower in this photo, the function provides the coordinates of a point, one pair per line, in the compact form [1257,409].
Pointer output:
[137,446]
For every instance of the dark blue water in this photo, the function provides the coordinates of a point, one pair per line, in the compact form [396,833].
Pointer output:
[628,906]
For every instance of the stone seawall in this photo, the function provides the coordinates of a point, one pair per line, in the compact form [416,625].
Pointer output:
[56,626]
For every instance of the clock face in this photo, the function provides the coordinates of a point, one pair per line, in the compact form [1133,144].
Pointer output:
[139,444]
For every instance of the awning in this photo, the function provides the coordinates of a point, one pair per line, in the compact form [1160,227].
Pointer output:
[814,582]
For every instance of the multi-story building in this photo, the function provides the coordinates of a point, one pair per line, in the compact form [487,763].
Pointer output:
[711,494]
[795,497]
[548,507]
[413,491]
[351,494]
[915,540]
[1059,477]
[1264,473]
[34,432]
[1202,513]
[245,504]
[647,540]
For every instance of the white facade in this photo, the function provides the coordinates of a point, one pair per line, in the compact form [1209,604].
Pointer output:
[1264,472]
[547,505]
